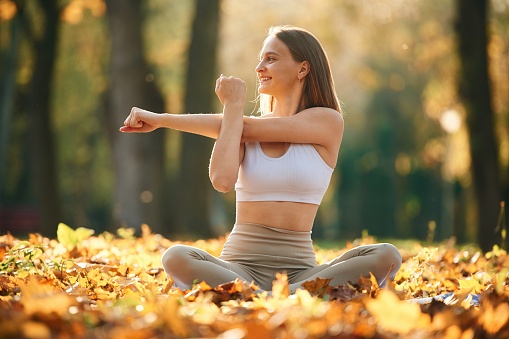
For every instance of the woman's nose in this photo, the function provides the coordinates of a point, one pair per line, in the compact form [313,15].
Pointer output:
[259,67]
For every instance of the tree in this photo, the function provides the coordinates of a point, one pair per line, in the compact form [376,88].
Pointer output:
[8,66]
[42,143]
[138,159]
[194,188]
[475,92]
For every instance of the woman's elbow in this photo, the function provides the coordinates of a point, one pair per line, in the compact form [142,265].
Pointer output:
[222,183]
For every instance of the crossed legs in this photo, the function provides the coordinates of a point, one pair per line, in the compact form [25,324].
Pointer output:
[187,264]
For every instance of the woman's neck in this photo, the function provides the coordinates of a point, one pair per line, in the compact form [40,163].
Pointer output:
[288,106]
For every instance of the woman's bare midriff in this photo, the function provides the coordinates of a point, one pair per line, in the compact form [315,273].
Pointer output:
[293,216]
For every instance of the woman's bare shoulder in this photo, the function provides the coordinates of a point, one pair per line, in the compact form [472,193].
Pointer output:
[322,111]
[323,115]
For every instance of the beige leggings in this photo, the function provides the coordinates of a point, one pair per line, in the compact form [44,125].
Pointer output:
[256,253]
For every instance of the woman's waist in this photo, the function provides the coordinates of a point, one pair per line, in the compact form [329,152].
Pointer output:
[285,215]
[250,238]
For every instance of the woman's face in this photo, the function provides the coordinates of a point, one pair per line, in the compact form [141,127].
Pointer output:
[277,70]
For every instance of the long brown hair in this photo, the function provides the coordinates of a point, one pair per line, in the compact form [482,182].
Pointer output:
[319,89]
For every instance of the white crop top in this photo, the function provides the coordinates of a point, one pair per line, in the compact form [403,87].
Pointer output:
[299,175]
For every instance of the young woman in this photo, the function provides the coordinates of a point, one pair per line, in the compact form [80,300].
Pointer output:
[280,165]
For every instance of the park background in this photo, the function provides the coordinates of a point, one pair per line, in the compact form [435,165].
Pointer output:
[424,87]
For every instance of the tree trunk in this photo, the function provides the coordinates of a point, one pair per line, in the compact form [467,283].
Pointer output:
[475,93]
[138,159]
[8,67]
[195,190]
[39,112]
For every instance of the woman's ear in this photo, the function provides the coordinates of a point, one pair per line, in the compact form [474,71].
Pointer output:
[304,69]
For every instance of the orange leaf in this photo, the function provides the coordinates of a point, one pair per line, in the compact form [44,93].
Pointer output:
[397,315]
[167,285]
[316,286]
[32,329]
[37,297]
[493,318]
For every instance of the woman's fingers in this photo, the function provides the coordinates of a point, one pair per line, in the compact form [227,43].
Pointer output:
[134,119]
[230,88]
[133,122]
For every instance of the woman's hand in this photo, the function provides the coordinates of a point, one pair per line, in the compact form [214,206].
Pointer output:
[140,121]
[230,90]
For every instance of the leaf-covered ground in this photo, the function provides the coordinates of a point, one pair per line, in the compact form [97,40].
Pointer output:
[113,286]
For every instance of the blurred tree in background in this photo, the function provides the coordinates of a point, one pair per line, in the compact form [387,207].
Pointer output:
[402,70]
[475,92]
[40,31]
[194,192]
[138,159]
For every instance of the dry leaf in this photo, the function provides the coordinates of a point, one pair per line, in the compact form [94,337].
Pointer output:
[118,288]
[41,298]
[396,315]
[493,318]
[280,287]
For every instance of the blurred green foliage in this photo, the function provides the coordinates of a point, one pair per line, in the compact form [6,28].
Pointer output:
[395,66]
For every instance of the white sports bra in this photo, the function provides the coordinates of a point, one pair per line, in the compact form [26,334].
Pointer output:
[299,175]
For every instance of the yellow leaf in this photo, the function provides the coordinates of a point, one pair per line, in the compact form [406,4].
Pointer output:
[280,287]
[494,318]
[69,237]
[122,269]
[173,318]
[68,264]
[22,274]
[94,275]
[304,297]
[146,277]
[37,297]
[104,295]
[35,330]
[83,281]
[126,233]
[82,233]
[470,284]
[206,314]
[396,315]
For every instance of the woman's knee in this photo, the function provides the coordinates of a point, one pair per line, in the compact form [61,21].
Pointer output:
[175,257]
[391,256]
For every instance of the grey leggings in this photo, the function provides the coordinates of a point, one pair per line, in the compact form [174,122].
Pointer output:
[256,253]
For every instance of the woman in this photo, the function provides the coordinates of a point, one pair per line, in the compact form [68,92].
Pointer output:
[280,165]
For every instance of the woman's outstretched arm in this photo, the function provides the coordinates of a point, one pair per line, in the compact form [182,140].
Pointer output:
[143,121]
[228,151]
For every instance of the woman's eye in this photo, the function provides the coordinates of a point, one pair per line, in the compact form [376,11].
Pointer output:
[271,59]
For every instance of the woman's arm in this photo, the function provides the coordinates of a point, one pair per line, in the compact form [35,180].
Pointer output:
[317,125]
[227,153]
[143,121]
[314,125]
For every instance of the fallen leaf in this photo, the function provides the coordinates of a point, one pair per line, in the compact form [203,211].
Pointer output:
[396,315]
[280,287]
[41,298]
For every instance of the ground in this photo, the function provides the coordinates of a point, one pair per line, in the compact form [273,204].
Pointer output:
[112,286]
